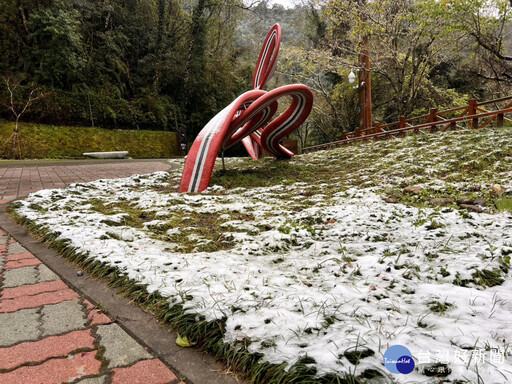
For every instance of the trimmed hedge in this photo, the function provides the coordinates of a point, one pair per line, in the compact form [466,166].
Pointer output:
[39,141]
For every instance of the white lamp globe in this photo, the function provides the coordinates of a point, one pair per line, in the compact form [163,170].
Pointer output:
[351,77]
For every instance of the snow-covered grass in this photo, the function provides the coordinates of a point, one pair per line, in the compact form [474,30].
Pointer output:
[303,263]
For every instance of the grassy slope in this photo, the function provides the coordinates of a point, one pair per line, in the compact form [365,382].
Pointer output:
[46,141]
[452,164]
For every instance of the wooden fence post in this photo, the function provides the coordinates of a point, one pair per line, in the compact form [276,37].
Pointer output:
[402,124]
[432,118]
[499,122]
[377,130]
[472,111]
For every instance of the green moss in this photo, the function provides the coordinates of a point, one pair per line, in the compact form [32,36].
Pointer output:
[201,232]
[133,216]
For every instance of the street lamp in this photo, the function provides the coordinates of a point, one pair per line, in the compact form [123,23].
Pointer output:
[351,77]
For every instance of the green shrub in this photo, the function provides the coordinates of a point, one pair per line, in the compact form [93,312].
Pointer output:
[108,110]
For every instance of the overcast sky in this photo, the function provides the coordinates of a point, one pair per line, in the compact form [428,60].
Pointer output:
[284,3]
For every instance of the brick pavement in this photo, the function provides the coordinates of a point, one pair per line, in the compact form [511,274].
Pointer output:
[18,181]
[50,334]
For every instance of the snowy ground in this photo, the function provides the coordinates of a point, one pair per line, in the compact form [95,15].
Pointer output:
[309,272]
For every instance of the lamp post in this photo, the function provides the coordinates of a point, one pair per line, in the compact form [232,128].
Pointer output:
[365,97]
[364,87]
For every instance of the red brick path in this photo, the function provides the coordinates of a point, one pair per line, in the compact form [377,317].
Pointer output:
[33,351]
[17,182]
[56,355]
[39,351]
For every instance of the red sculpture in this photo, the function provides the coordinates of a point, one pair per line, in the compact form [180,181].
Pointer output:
[249,119]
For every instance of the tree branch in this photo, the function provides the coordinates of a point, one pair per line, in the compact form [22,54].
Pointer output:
[490,47]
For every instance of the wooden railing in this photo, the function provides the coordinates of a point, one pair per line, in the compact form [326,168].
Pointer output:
[471,116]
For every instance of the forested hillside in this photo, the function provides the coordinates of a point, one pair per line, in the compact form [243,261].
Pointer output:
[165,64]
[140,64]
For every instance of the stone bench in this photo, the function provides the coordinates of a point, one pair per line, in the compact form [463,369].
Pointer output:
[107,155]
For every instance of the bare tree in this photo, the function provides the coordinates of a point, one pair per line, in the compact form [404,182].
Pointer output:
[491,33]
[18,109]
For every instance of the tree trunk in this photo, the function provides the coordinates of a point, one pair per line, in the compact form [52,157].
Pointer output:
[16,139]
[23,17]
[159,43]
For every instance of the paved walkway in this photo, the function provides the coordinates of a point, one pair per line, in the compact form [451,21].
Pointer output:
[19,178]
[50,334]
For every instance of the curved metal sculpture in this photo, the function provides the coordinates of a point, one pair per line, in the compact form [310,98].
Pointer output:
[249,119]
